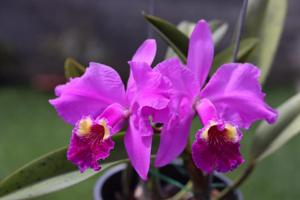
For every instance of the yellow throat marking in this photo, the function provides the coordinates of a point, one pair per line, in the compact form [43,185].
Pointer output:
[85,126]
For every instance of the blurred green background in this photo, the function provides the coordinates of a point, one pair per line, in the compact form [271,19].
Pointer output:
[30,128]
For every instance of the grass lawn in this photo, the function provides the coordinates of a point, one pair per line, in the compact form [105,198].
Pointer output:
[30,128]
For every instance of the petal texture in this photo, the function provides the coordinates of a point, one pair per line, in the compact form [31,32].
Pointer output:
[152,88]
[206,111]
[90,94]
[216,149]
[236,93]
[115,115]
[87,145]
[201,51]
[173,139]
[145,54]
[183,80]
[139,147]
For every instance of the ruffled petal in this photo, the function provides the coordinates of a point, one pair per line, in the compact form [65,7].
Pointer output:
[89,94]
[87,145]
[236,93]
[145,54]
[201,51]
[183,80]
[138,147]
[216,149]
[173,139]
[152,88]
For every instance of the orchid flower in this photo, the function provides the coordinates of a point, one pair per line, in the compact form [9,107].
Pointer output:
[98,105]
[231,100]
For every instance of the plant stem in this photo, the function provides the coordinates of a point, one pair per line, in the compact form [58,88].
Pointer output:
[209,184]
[238,181]
[126,181]
[240,26]
[156,187]
[196,175]
[183,191]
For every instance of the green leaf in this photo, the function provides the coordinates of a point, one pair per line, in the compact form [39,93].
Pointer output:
[177,40]
[186,28]
[265,21]
[269,138]
[53,172]
[246,47]
[218,28]
[73,68]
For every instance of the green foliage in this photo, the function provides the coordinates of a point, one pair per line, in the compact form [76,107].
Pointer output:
[177,40]
[219,30]
[269,138]
[246,47]
[53,172]
[73,68]
[265,21]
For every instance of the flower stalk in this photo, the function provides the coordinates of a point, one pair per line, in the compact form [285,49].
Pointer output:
[238,181]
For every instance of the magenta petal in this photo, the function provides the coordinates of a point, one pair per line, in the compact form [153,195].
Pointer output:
[236,93]
[89,94]
[138,148]
[201,51]
[220,155]
[140,71]
[206,111]
[210,158]
[173,139]
[146,52]
[182,79]
[115,115]
[152,89]
[85,152]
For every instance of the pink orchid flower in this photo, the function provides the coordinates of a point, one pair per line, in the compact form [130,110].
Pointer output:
[98,105]
[231,100]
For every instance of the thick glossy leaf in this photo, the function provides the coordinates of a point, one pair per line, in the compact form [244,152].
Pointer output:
[177,40]
[246,47]
[185,27]
[53,172]
[219,30]
[73,68]
[269,138]
[56,183]
[265,21]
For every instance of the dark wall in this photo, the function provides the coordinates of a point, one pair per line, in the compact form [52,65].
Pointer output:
[36,36]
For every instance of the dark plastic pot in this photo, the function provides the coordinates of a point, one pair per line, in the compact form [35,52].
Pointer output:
[109,184]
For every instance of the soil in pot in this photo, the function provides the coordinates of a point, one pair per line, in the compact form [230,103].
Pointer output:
[171,179]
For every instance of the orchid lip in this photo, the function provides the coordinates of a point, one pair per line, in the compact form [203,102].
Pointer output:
[217,133]
[86,127]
